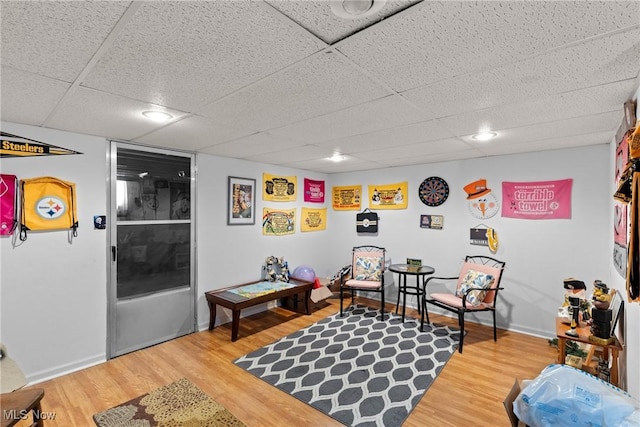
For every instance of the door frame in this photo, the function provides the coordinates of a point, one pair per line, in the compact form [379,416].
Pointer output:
[112,227]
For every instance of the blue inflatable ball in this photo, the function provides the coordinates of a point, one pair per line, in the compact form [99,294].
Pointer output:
[304,272]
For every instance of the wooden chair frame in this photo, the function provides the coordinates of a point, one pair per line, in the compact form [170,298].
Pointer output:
[344,281]
[461,311]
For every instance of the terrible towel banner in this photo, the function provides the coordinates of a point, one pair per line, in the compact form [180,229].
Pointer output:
[388,196]
[313,219]
[347,198]
[313,191]
[279,188]
[537,200]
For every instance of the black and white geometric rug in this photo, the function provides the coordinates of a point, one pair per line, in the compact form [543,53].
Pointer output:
[357,369]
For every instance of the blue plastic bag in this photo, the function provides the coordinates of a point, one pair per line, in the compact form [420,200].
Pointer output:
[564,396]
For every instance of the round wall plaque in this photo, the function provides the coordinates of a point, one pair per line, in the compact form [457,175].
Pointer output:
[433,191]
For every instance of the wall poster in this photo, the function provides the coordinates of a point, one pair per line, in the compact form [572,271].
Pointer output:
[279,188]
[313,191]
[277,222]
[537,200]
[346,198]
[388,196]
[313,219]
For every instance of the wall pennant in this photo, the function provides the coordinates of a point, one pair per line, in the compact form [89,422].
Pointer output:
[17,146]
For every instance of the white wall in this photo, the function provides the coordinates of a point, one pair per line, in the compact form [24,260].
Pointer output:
[539,254]
[54,293]
[230,255]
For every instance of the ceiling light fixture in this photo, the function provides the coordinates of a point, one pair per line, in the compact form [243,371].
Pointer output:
[337,157]
[355,9]
[484,136]
[157,116]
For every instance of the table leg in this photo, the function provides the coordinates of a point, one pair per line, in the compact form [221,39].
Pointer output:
[614,367]
[307,297]
[212,315]
[418,292]
[399,289]
[404,295]
[562,346]
[235,324]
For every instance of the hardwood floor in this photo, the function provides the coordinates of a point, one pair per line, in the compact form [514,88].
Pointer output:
[468,392]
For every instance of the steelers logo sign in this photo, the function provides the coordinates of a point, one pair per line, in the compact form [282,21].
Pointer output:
[365,222]
[50,207]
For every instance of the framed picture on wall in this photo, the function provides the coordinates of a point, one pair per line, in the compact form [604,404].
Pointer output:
[241,201]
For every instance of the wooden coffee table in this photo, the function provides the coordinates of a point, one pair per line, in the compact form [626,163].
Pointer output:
[249,294]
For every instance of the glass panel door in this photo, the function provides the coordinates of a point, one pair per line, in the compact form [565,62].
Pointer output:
[152,297]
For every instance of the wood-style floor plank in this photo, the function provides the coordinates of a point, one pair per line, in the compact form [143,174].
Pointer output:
[469,390]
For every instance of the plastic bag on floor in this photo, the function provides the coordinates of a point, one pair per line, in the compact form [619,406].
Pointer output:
[565,396]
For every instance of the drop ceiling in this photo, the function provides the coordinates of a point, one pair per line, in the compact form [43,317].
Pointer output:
[290,83]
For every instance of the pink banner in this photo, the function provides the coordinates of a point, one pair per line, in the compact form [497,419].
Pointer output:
[313,191]
[537,200]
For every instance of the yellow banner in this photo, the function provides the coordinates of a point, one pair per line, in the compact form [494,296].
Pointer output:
[279,188]
[277,222]
[347,198]
[313,219]
[389,196]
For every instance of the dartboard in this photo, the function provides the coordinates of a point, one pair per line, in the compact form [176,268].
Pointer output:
[433,191]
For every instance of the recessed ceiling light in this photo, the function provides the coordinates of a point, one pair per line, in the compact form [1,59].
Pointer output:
[484,136]
[337,157]
[355,9]
[157,116]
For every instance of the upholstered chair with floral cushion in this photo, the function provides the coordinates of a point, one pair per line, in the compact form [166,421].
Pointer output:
[476,290]
[367,275]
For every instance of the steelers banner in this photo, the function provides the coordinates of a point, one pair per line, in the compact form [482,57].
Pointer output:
[388,196]
[313,219]
[17,146]
[346,198]
[279,188]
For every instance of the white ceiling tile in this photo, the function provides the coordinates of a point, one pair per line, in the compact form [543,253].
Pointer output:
[549,144]
[328,166]
[97,113]
[321,84]
[599,99]
[440,40]
[295,154]
[55,38]
[416,132]
[188,54]
[251,145]
[563,70]
[434,158]
[28,98]
[191,133]
[316,16]
[575,127]
[388,112]
[415,150]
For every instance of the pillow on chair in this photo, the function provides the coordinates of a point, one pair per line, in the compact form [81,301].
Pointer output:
[368,268]
[475,279]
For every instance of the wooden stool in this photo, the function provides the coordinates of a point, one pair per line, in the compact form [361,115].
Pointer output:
[17,405]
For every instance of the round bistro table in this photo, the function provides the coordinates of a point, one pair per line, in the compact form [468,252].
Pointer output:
[404,270]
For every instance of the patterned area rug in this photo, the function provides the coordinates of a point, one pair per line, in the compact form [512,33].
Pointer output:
[179,404]
[357,369]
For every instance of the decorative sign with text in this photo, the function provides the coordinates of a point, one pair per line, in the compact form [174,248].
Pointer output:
[313,191]
[313,219]
[537,200]
[279,188]
[346,198]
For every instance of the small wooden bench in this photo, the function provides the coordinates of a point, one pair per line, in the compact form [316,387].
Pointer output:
[249,294]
